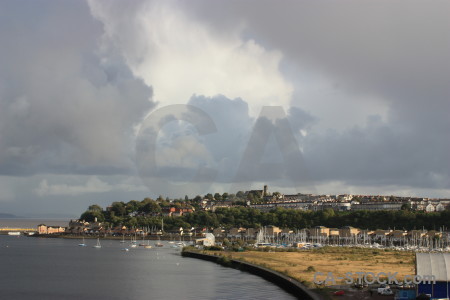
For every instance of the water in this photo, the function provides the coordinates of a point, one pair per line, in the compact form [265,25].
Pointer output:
[39,268]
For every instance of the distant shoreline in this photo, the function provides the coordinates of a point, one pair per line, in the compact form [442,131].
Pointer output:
[8,216]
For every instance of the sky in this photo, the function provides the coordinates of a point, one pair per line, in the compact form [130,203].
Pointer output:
[104,101]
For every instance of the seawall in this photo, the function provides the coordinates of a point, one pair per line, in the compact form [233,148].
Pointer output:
[288,284]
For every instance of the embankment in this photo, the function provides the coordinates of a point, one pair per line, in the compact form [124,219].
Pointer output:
[288,284]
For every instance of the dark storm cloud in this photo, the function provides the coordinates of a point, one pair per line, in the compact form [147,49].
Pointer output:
[396,51]
[67,103]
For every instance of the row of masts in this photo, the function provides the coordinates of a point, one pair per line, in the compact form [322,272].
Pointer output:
[426,243]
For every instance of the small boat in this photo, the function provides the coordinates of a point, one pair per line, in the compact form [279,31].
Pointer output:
[83,244]
[148,246]
[123,239]
[125,249]
[97,245]
[158,243]
[14,233]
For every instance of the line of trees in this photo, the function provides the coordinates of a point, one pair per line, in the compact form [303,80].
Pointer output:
[147,213]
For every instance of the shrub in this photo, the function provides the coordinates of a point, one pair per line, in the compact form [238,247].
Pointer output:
[310,269]
[214,248]
[224,261]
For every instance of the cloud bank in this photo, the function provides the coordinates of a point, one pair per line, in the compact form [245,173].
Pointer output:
[364,86]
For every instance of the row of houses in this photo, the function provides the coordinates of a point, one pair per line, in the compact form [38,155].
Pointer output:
[44,229]
[81,227]
[322,231]
[427,206]
[348,231]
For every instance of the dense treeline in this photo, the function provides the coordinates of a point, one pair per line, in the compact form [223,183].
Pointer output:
[297,219]
[147,213]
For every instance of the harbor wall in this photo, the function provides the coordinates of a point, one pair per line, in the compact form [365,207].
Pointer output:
[288,284]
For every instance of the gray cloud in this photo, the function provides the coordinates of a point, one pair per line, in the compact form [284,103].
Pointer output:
[67,105]
[182,151]
[392,54]
[367,83]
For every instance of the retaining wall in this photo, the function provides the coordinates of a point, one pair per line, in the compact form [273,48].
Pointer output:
[288,284]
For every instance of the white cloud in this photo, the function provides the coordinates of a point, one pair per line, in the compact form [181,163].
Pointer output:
[179,56]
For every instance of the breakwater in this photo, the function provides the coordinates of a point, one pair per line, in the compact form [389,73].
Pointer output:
[287,283]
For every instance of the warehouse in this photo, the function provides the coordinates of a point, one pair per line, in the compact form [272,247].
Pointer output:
[435,266]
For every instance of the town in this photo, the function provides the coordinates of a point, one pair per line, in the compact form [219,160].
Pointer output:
[262,218]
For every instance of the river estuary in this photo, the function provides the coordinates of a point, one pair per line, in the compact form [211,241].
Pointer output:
[40,268]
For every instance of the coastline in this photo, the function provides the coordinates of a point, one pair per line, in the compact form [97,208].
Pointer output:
[289,284]
[109,237]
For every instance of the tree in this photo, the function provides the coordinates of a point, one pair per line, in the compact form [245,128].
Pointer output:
[133,206]
[91,216]
[118,208]
[95,207]
[224,196]
[151,207]
[131,222]
[218,196]
[406,206]
[250,197]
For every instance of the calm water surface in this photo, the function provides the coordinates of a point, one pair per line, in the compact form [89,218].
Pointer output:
[38,268]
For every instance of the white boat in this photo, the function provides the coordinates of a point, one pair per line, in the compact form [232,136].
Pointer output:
[83,244]
[125,249]
[14,233]
[158,243]
[98,244]
[123,239]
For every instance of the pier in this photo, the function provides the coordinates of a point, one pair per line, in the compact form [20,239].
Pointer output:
[6,230]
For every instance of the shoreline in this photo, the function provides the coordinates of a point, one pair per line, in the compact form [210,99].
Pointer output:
[288,284]
[117,238]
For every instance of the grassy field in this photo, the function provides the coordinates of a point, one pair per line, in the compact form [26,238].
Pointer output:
[302,265]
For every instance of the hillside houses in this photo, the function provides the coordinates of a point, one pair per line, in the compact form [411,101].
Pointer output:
[347,202]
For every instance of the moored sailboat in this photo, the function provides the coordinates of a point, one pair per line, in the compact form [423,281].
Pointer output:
[83,244]
[98,244]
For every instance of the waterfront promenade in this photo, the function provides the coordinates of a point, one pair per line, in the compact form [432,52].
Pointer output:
[6,230]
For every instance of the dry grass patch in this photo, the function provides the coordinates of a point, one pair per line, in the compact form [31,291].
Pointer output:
[336,260]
